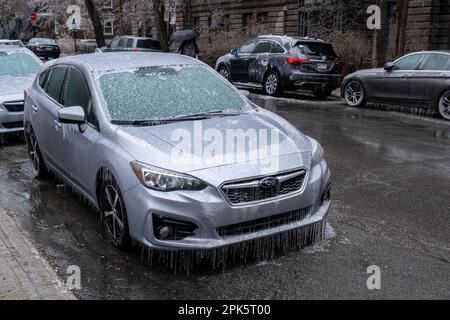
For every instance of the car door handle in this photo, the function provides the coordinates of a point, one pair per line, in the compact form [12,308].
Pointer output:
[57,124]
[35,109]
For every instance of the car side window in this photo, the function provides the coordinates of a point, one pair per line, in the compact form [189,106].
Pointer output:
[129,43]
[77,94]
[55,82]
[410,62]
[436,62]
[249,47]
[276,48]
[121,43]
[262,47]
[43,78]
[114,43]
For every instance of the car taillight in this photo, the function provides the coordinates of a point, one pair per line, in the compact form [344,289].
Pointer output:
[40,46]
[297,61]
[134,50]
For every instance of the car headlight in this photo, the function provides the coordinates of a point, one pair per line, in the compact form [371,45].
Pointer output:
[165,180]
[317,154]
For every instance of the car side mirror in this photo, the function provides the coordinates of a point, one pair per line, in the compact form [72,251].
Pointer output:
[72,115]
[389,66]
[234,52]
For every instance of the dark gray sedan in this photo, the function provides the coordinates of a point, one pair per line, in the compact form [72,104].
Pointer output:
[420,79]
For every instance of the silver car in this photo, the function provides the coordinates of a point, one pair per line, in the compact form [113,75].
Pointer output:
[420,79]
[132,133]
[18,68]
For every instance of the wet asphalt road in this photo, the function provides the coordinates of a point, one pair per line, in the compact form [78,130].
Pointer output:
[391,208]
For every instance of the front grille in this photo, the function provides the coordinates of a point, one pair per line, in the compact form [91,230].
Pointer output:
[264,223]
[13,106]
[250,190]
[12,125]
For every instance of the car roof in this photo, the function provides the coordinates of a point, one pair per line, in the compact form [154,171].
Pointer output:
[13,48]
[288,39]
[108,61]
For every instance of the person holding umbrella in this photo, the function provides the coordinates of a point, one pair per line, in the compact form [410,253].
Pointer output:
[188,45]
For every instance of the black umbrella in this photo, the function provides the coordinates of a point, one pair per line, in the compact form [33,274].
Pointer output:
[183,35]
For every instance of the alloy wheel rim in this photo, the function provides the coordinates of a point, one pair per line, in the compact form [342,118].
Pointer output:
[271,84]
[354,93]
[113,212]
[34,152]
[224,73]
[444,105]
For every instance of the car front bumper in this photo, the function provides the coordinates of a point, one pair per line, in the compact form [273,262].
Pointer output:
[210,212]
[10,122]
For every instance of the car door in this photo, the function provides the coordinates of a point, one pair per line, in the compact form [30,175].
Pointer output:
[427,82]
[240,62]
[45,109]
[80,141]
[394,85]
[258,65]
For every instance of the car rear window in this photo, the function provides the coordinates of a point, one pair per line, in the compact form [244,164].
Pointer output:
[315,49]
[149,44]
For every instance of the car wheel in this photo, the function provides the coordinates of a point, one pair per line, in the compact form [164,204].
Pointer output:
[114,215]
[354,94]
[34,152]
[321,93]
[224,72]
[444,105]
[272,84]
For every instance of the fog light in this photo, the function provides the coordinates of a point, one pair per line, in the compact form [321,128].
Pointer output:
[164,232]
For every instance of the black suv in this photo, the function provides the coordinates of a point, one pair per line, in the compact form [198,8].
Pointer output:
[277,63]
[130,43]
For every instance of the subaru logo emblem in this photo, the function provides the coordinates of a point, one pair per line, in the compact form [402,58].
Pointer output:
[268,183]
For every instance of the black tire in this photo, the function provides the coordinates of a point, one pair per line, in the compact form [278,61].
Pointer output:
[113,213]
[224,72]
[349,94]
[272,84]
[444,105]
[34,152]
[321,93]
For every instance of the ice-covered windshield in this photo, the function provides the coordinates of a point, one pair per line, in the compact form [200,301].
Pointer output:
[17,64]
[166,92]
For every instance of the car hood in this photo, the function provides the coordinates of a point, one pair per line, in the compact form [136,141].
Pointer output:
[11,85]
[173,146]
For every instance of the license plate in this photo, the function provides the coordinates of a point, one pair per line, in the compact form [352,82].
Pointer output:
[322,66]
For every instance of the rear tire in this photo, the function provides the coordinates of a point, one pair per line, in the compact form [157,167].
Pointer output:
[113,212]
[272,84]
[355,94]
[444,105]
[322,94]
[34,152]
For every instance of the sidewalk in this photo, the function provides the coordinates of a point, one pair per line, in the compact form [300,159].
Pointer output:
[24,274]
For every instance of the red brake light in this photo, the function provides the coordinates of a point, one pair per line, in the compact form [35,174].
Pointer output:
[297,61]
[134,50]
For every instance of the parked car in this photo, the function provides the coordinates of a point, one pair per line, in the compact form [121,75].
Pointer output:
[44,48]
[277,63]
[131,43]
[6,42]
[18,67]
[105,123]
[88,45]
[417,79]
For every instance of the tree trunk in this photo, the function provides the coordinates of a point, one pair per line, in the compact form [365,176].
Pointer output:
[161,25]
[96,22]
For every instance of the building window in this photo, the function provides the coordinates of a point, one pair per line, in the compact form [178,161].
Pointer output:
[247,19]
[262,17]
[302,24]
[196,22]
[108,28]
[226,23]
[108,4]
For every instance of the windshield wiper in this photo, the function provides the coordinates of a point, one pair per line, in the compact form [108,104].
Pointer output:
[191,117]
